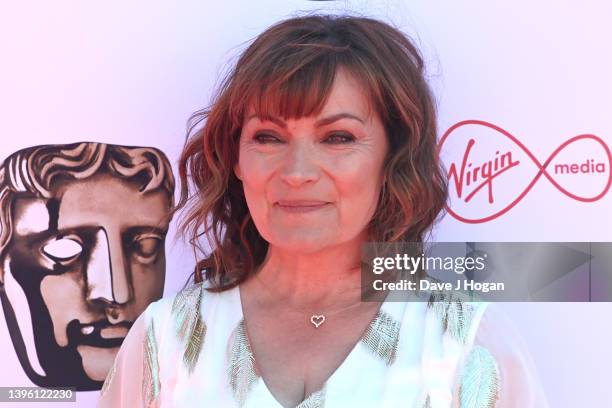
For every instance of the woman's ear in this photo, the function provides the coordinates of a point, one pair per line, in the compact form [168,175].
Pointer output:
[237,171]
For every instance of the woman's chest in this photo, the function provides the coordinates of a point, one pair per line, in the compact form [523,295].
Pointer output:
[361,380]
[395,361]
[295,358]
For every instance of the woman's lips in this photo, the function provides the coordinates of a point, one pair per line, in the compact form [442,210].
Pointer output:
[301,206]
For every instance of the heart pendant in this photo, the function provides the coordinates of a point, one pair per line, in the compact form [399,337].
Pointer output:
[317,320]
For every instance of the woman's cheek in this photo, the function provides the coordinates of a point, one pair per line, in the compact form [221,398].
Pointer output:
[258,165]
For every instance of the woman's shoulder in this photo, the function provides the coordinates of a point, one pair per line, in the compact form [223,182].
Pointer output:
[452,316]
[181,323]
[193,300]
[453,357]
[457,315]
[189,297]
[193,309]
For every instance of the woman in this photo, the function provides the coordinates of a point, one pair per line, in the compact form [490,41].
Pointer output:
[323,137]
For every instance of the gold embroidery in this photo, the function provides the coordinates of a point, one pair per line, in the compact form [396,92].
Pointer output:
[480,380]
[314,400]
[382,337]
[241,370]
[455,314]
[150,383]
[190,327]
[194,345]
[182,309]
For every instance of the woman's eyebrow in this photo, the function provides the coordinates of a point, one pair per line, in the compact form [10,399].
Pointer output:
[343,115]
[321,122]
[272,119]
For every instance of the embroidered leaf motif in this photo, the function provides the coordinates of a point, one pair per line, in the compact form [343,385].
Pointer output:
[150,380]
[194,345]
[190,328]
[314,400]
[454,313]
[382,337]
[183,309]
[480,381]
[241,368]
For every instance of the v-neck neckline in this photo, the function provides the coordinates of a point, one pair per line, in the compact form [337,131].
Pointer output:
[334,374]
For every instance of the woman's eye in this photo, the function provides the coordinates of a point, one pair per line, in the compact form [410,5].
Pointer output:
[339,138]
[63,250]
[264,138]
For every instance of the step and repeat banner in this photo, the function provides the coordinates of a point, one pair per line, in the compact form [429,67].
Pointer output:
[95,100]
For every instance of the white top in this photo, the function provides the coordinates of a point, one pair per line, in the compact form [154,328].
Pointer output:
[192,350]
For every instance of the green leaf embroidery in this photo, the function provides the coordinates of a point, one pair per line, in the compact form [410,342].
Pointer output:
[480,380]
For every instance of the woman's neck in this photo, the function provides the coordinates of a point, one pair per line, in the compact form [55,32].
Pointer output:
[327,277]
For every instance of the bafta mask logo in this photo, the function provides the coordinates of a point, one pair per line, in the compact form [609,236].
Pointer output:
[82,230]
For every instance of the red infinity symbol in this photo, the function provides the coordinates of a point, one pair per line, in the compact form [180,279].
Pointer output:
[541,166]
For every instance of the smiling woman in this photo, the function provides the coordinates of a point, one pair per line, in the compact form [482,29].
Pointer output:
[303,174]
[320,139]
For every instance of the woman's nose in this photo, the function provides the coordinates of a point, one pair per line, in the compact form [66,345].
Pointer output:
[301,164]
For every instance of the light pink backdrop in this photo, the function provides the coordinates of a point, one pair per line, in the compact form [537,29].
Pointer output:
[132,73]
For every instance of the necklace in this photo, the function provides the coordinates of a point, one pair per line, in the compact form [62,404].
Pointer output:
[316,319]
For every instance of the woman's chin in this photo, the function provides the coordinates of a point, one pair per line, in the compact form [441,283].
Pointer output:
[302,244]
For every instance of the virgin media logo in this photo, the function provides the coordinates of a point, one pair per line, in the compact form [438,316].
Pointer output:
[490,171]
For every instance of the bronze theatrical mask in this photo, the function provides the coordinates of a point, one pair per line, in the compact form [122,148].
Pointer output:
[82,231]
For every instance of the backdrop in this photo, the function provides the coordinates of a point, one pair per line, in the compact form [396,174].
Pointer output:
[522,90]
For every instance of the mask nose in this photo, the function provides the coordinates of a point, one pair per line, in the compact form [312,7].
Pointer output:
[107,274]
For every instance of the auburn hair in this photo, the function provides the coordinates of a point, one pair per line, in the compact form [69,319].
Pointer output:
[288,72]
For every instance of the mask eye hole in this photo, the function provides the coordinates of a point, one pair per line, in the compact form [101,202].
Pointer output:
[63,250]
[146,247]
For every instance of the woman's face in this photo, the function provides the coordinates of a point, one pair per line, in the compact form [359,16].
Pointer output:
[314,182]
